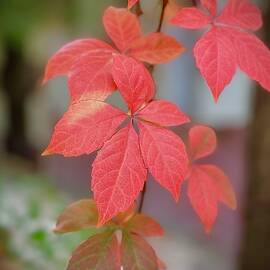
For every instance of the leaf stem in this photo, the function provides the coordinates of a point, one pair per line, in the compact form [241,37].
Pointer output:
[161,19]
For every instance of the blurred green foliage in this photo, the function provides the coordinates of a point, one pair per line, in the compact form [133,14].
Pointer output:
[29,207]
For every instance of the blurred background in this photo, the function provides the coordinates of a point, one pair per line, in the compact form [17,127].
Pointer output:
[34,189]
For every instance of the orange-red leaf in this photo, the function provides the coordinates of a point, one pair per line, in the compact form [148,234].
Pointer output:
[208,185]
[91,77]
[99,252]
[84,128]
[77,216]
[163,113]
[203,197]
[144,226]
[210,5]
[62,61]
[137,254]
[215,57]
[118,174]
[132,3]
[191,18]
[155,48]
[222,183]
[133,81]
[241,13]
[202,142]
[165,156]
[125,216]
[253,57]
[122,26]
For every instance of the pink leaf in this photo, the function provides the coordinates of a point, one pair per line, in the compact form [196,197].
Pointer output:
[133,81]
[224,189]
[91,77]
[62,61]
[216,59]
[122,26]
[163,113]
[191,18]
[118,174]
[202,142]
[84,128]
[253,57]
[165,156]
[241,13]
[210,5]
[155,48]
[208,185]
[132,3]
[203,197]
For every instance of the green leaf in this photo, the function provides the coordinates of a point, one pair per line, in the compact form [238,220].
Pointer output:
[99,252]
[137,254]
[78,216]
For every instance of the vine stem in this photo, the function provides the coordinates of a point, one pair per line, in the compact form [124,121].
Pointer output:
[160,23]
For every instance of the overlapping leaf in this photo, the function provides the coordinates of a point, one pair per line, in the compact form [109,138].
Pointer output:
[191,18]
[118,174]
[202,142]
[133,80]
[207,184]
[241,14]
[99,252]
[84,128]
[88,62]
[144,226]
[137,254]
[122,27]
[228,44]
[163,113]
[164,155]
[78,216]
[155,48]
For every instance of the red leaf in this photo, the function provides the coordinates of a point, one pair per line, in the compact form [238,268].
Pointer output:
[224,189]
[62,61]
[84,128]
[122,26]
[118,174]
[163,113]
[99,252]
[191,18]
[133,81]
[253,57]
[202,142]
[91,77]
[155,48]
[241,13]
[165,156]
[137,254]
[203,197]
[77,216]
[144,226]
[208,185]
[216,59]
[132,3]
[210,5]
